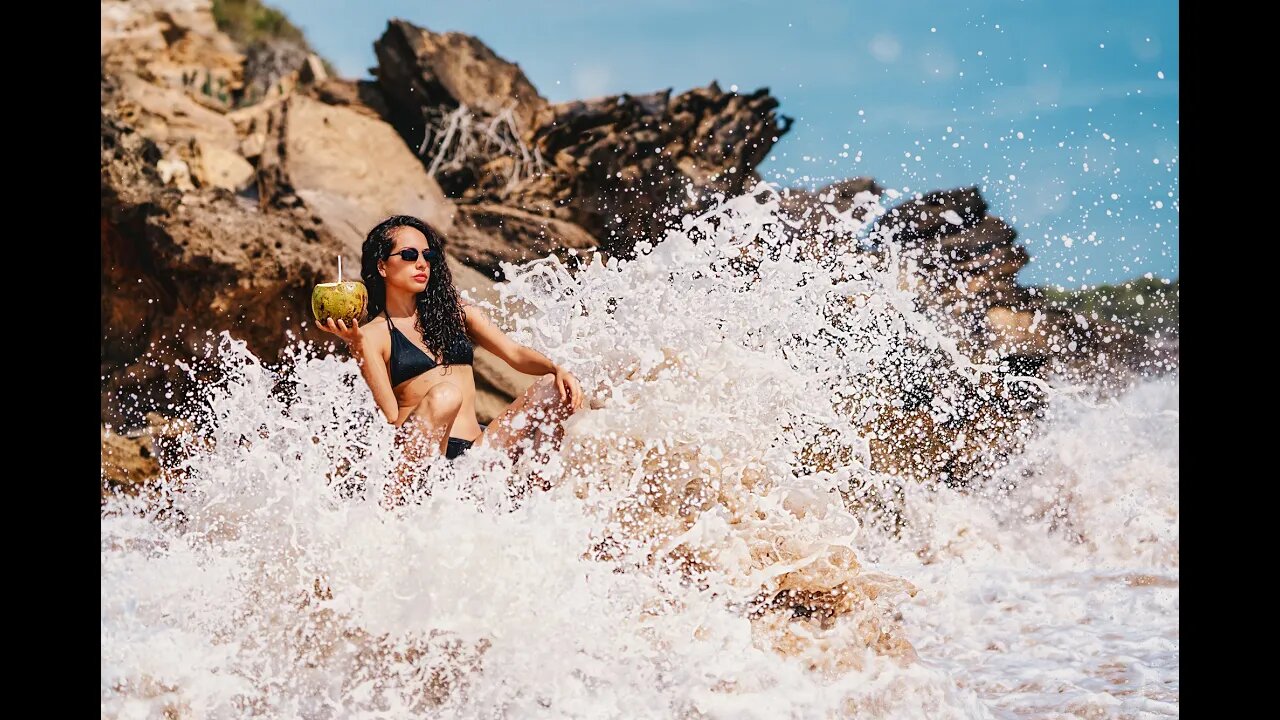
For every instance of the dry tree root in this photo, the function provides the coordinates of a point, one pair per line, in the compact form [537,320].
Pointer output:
[462,135]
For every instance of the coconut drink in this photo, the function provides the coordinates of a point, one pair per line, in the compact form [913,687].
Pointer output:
[340,300]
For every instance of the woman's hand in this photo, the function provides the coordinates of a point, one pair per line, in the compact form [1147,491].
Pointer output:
[569,387]
[350,335]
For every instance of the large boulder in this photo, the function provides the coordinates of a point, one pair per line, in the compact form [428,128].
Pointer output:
[171,75]
[424,74]
[352,171]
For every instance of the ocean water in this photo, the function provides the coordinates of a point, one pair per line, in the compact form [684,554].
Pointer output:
[721,537]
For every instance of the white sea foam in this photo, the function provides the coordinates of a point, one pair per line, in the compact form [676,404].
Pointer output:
[693,558]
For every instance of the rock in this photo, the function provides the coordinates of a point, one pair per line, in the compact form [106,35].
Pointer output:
[201,146]
[132,460]
[169,116]
[487,234]
[988,234]
[127,461]
[352,171]
[252,145]
[626,167]
[176,172]
[841,196]
[222,168]
[362,96]
[1019,332]
[962,263]
[172,45]
[138,28]
[425,74]
[964,268]
[458,105]
[810,212]
[312,71]
[620,167]
[936,213]
[273,67]
[180,266]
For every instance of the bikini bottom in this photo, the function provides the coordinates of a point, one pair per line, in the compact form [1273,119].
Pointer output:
[457,445]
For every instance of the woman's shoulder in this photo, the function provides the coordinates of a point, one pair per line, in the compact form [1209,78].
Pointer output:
[472,311]
[375,328]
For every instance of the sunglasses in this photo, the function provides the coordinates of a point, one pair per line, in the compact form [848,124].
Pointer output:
[411,255]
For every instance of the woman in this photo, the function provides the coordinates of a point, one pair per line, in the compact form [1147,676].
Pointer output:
[415,353]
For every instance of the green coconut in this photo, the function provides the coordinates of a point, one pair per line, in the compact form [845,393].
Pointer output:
[345,301]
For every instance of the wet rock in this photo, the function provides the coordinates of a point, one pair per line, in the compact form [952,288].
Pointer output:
[487,234]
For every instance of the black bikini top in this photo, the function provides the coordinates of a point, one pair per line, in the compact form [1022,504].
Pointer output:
[408,361]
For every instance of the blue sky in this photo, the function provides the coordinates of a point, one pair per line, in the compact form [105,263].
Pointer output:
[1064,113]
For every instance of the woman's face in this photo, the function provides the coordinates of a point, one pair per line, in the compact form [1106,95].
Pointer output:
[407,275]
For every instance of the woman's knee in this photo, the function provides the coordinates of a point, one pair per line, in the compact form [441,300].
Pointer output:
[545,393]
[443,399]
[539,390]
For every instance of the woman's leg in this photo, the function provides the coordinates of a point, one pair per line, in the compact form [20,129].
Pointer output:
[537,416]
[425,433]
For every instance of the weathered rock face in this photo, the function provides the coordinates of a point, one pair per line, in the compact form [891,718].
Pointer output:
[620,167]
[176,265]
[488,234]
[174,46]
[425,74]
[624,167]
[361,96]
[352,171]
[127,461]
[964,263]
[456,103]
[273,67]
[966,255]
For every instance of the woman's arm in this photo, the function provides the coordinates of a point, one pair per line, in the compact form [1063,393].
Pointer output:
[490,337]
[366,349]
[519,357]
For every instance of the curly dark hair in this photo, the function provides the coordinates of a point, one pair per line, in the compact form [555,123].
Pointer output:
[440,318]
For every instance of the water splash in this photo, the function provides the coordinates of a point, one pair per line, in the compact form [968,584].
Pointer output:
[697,554]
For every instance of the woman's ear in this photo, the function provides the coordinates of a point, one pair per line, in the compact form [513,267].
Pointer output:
[382,268]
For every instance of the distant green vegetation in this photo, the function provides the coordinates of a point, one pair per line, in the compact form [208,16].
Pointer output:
[249,22]
[1144,304]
